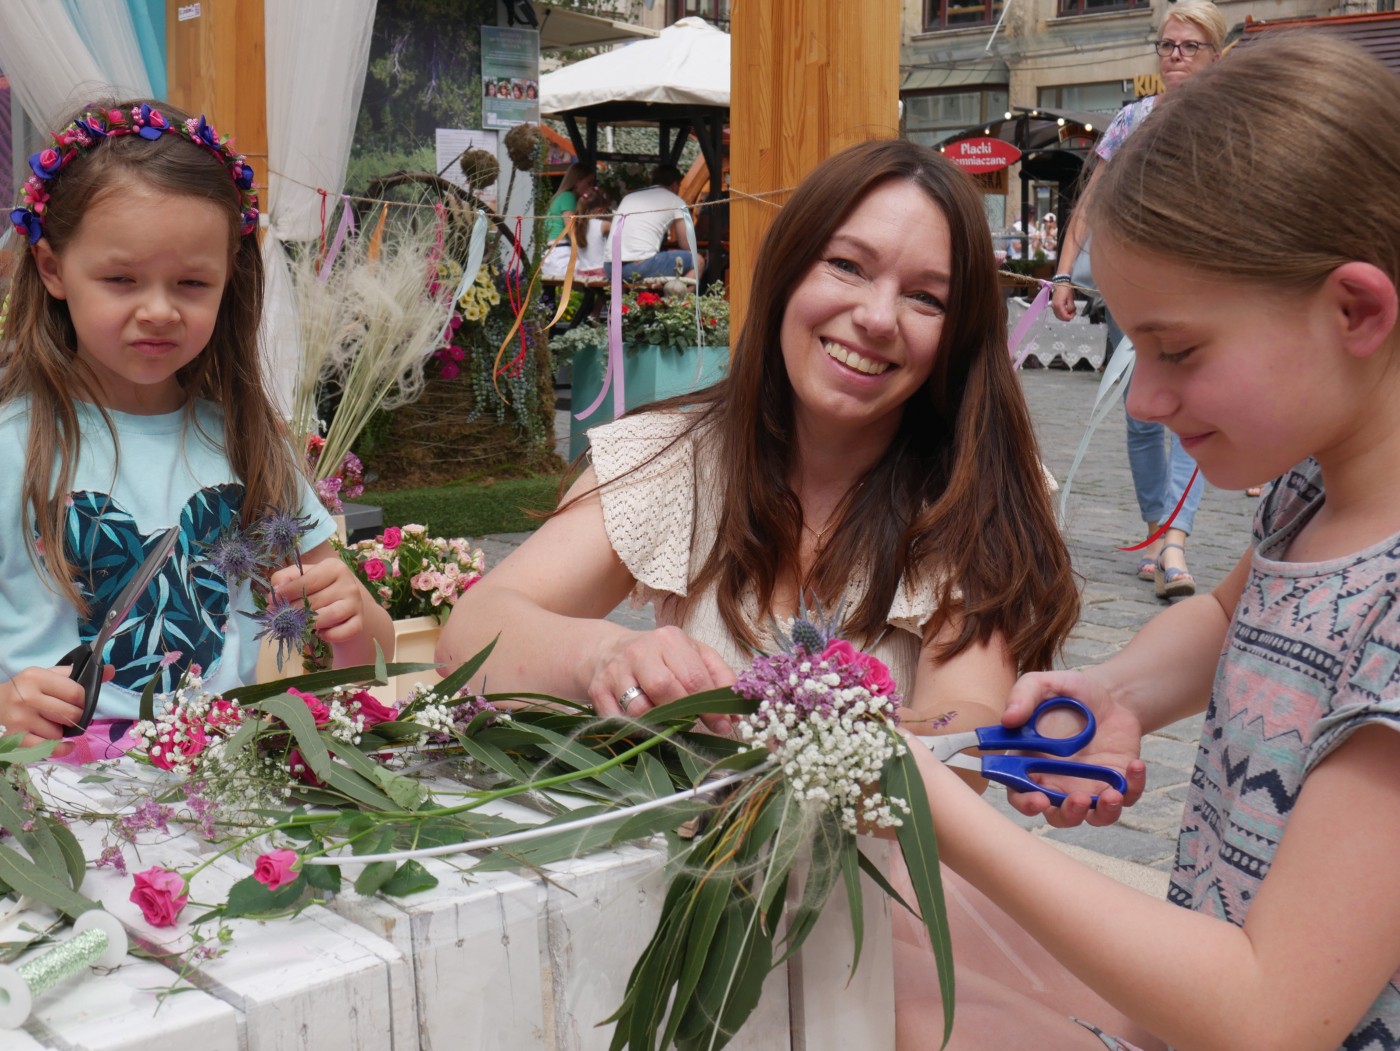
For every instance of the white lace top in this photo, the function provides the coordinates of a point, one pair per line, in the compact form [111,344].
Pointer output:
[661,506]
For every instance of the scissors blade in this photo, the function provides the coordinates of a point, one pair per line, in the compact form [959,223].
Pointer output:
[116,614]
[945,746]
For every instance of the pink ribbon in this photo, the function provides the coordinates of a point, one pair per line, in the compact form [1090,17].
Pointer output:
[1029,318]
[346,227]
[612,370]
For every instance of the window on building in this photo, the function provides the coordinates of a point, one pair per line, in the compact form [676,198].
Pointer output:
[715,12]
[1106,97]
[952,14]
[1096,7]
[931,116]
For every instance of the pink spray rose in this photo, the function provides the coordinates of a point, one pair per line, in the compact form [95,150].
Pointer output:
[277,868]
[875,677]
[392,538]
[374,712]
[161,895]
[375,569]
[166,749]
[319,712]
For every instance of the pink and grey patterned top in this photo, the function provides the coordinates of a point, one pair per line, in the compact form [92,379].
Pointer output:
[1312,654]
[1123,125]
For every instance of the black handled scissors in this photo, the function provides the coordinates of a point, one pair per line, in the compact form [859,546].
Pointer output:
[86,658]
[1015,770]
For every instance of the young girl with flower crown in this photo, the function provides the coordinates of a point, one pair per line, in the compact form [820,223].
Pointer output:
[132,399]
[1271,348]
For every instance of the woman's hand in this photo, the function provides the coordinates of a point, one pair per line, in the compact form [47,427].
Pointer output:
[1117,743]
[666,664]
[40,702]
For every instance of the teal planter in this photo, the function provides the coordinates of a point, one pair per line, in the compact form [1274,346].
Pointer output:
[650,373]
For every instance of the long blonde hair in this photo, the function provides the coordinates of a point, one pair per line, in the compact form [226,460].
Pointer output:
[38,357]
[1270,166]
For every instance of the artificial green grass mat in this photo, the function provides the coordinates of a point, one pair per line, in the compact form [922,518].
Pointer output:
[469,509]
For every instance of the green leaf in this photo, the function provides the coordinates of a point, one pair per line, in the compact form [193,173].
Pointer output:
[851,861]
[453,682]
[706,909]
[828,841]
[410,878]
[787,843]
[493,758]
[730,990]
[404,791]
[651,772]
[146,711]
[320,681]
[22,875]
[248,897]
[878,878]
[686,710]
[374,877]
[580,757]
[38,839]
[72,854]
[322,877]
[919,846]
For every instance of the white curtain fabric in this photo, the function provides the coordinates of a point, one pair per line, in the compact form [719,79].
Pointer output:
[316,59]
[61,55]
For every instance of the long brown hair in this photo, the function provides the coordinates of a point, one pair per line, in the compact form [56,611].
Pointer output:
[39,353]
[958,502]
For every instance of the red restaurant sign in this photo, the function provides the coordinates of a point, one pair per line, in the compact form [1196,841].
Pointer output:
[981,156]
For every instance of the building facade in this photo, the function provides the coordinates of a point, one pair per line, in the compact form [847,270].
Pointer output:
[968,62]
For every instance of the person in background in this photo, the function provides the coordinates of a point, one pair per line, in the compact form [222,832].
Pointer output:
[1192,35]
[651,215]
[591,227]
[578,179]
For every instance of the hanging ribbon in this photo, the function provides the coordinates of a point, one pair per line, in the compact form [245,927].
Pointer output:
[691,243]
[346,227]
[376,239]
[612,370]
[1115,378]
[517,301]
[1029,318]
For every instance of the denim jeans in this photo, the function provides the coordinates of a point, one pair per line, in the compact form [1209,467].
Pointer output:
[1161,467]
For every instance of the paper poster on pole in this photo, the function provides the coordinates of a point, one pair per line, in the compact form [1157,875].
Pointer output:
[451,143]
[510,77]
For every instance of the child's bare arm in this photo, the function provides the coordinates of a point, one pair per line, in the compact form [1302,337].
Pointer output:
[1321,941]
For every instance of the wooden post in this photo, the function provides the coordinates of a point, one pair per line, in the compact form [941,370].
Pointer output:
[216,65]
[808,78]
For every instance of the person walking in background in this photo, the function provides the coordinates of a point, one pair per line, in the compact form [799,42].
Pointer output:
[1191,39]
[651,214]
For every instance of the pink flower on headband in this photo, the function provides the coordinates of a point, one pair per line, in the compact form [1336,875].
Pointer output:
[46,162]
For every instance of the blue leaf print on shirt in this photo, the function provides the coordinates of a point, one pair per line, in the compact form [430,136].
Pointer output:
[185,608]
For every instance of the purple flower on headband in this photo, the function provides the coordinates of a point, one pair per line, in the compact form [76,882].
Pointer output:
[201,131]
[250,222]
[150,121]
[45,163]
[27,224]
[243,174]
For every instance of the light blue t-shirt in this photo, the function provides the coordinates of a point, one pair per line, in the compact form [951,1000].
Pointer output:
[165,475]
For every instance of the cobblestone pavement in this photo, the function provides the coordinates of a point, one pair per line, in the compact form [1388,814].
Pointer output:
[1102,515]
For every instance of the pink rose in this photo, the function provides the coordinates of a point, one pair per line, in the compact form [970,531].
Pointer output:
[392,538]
[374,712]
[224,715]
[375,569]
[875,677]
[161,895]
[166,750]
[299,769]
[277,868]
[319,712]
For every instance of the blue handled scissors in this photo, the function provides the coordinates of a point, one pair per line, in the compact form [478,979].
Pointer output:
[1015,770]
[88,658]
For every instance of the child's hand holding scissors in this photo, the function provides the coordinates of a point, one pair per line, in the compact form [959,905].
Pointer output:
[1117,744]
[40,702]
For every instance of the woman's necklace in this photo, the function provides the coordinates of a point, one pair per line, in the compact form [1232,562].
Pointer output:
[817,534]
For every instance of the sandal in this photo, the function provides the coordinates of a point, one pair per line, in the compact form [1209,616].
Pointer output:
[1147,567]
[1172,582]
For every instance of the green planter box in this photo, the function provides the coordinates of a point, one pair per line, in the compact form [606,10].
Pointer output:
[650,373]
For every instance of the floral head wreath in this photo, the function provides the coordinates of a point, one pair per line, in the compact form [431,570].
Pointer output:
[86,133]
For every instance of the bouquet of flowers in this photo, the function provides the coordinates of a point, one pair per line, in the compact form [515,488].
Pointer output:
[412,574]
[652,318]
[828,760]
[346,482]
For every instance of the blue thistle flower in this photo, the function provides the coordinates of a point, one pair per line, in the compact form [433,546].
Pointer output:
[234,554]
[280,533]
[286,623]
